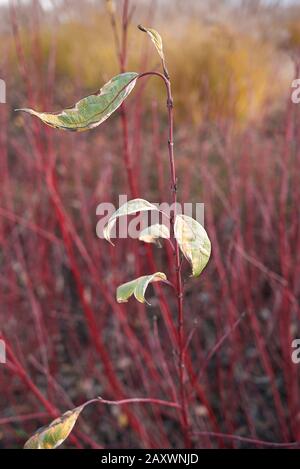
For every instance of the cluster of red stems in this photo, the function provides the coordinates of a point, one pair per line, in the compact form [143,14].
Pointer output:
[131,356]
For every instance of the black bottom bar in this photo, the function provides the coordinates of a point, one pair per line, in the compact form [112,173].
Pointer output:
[148,458]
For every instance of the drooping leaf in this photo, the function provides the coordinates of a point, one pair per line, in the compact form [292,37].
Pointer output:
[193,242]
[138,287]
[152,233]
[91,111]
[157,41]
[155,38]
[53,435]
[129,208]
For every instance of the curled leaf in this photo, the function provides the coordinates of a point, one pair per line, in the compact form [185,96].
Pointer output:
[138,287]
[193,242]
[129,208]
[152,233]
[91,111]
[157,41]
[155,38]
[53,435]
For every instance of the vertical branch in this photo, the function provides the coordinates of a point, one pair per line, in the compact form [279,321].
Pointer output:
[121,49]
[124,119]
[177,262]
[179,288]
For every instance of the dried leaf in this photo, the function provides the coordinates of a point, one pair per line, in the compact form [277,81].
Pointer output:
[155,38]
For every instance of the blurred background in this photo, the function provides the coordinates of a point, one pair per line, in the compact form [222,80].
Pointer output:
[237,149]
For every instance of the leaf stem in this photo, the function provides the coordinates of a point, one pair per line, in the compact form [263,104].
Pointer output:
[138,400]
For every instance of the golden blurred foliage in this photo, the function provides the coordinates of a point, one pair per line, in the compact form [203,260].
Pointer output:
[221,74]
[217,71]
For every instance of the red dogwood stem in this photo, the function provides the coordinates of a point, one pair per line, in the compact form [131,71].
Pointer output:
[179,287]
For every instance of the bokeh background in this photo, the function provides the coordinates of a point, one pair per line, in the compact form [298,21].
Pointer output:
[237,148]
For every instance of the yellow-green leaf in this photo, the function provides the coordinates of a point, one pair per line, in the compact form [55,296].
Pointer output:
[155,38]
[129,208]
[152,233]
[193,242]
[53,435]
[138,287]
[91,111]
